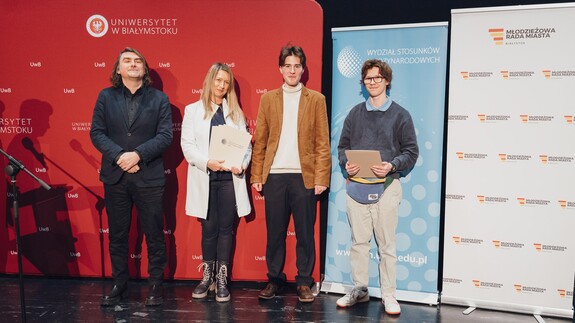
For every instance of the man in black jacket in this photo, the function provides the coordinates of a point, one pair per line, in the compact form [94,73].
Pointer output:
[132,127]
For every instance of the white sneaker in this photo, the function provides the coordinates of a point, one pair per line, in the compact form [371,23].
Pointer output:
[391,305]
[355,296]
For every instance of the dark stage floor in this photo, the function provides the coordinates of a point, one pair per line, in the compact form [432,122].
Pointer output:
[78,300]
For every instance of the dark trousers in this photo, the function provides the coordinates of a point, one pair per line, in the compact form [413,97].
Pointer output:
[286,194]
[120,198]
[218,226]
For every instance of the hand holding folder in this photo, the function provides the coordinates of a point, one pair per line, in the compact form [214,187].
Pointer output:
[230,145]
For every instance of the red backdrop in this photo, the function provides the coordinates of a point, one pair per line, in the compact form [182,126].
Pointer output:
[57,55]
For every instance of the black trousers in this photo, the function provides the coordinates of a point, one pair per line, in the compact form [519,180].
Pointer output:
[217,228]
[286,194]
[120,198]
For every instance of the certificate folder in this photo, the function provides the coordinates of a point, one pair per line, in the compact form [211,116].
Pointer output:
[229,144]
[365,159]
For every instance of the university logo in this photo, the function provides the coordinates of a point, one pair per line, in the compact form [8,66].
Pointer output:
[97,26]
[349,62]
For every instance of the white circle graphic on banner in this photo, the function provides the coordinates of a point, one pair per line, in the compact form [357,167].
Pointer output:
[97,26]
[349,62]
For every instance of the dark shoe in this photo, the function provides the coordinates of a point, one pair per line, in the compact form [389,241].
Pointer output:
[222,292]
[115,295]
[207,283]
[155,295]
[304,294]
[269,292]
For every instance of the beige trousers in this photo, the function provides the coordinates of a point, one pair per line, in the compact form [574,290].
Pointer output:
[380,219]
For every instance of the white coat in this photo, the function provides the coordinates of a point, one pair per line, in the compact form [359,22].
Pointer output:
[195,143]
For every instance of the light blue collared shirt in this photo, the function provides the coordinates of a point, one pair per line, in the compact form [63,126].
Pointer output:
[384,107]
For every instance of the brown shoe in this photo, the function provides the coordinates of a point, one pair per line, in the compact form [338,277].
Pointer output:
[304,294]
[269,292]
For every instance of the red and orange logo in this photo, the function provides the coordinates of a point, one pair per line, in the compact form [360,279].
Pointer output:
[562,293]
[459,155]
[562,203]
[497,243]
[457,240]
[524,118]
[537,246]
[568,119]
[476,283]
[544,159]
[503,157]
[505,75]
[481,198]
[521,200]
[497,35]
[518,287]
[547,74]
[481,117]
[465,75]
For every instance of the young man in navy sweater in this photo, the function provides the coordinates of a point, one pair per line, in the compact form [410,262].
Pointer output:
[379,124]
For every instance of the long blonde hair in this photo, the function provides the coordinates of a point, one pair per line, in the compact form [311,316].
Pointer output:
[235,112]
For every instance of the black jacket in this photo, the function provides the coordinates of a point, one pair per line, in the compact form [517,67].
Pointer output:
[150,134]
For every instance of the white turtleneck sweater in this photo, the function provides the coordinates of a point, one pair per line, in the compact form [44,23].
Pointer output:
[286,159]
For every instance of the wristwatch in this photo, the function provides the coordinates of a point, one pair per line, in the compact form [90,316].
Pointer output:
[393,168]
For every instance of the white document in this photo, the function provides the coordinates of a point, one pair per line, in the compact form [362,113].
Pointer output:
[229,144]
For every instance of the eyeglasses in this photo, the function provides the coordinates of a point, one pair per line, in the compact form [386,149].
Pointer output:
[376,79]
[289,67]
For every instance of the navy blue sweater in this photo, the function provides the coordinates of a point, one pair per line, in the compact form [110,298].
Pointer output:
[391,132]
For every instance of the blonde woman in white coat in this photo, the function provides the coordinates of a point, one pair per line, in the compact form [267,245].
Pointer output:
[215,194]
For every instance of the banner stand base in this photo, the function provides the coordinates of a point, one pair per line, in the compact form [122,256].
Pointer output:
[469,310]
[506,307]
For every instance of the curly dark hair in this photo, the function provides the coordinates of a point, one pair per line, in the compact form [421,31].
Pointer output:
[384,70]
[116,78]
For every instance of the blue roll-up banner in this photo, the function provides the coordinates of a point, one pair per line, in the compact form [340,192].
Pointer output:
[418,56]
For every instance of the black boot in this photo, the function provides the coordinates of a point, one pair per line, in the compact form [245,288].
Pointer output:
[115,295]
[222,293]
[155,295]
[207,283]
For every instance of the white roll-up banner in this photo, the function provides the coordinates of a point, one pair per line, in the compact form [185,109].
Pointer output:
[510,198]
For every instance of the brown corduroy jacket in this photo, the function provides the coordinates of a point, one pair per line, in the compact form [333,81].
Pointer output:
[313,137]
